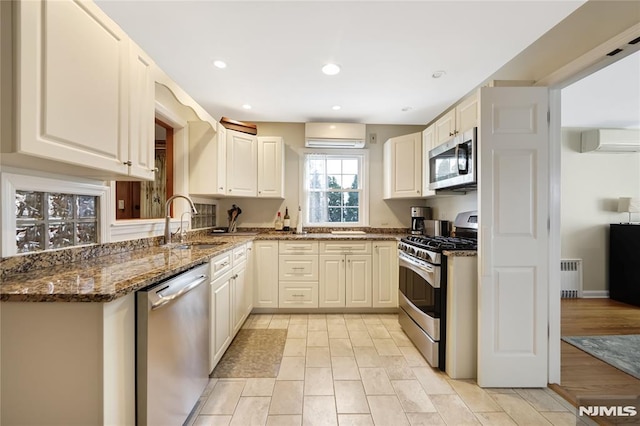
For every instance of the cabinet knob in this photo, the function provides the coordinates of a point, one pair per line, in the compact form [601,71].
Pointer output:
[451,133]
[155,170]
[229,189]
[221,188]
[259,192]
[128,163]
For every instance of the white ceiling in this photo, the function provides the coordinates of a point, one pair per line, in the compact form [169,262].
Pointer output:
[387,50]
[608,98]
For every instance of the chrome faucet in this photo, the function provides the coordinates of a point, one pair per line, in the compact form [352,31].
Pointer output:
[167,219]
[183,228]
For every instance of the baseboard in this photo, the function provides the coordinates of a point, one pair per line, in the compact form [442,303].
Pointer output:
[595,294]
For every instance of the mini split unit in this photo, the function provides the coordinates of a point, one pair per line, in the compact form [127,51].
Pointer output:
[334,135]
[611,140]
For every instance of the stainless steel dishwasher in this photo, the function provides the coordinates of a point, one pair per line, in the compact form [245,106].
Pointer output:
[172,347]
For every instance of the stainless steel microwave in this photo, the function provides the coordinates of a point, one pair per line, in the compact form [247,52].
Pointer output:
[452,165]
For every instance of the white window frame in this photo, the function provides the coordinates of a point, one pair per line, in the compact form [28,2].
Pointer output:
[363,214]
[10,183]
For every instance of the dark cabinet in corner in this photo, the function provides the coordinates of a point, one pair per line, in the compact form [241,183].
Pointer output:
[624,263]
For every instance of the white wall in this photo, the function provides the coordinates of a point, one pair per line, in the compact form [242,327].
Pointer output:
[591,185]
[382,214]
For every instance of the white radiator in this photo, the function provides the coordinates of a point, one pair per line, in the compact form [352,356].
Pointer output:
[570,278]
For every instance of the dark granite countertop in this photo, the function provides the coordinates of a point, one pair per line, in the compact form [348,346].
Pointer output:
[106,272]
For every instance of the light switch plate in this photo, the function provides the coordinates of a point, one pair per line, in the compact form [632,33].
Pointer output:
[120,204]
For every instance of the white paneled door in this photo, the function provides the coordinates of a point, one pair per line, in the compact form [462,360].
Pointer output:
[514,237]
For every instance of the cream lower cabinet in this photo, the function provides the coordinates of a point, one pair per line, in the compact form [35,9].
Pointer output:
[385,274]
[265,267]
[345,274]
[298,274]
[68,363]
[221,273]
[240,288]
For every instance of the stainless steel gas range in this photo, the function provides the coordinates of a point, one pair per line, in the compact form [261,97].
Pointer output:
[423,285]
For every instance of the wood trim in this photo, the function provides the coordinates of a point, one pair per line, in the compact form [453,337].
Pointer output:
[170,157]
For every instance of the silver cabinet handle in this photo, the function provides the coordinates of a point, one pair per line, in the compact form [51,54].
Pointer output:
[298,269]
[297,295]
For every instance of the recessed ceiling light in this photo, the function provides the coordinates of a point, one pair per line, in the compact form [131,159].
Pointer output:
[246,106]
[408,108]
[220,64]
[336,107]
[331,69]
[438,74]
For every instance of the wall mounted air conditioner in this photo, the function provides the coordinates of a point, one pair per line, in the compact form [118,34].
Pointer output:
[334,135]
[611,140]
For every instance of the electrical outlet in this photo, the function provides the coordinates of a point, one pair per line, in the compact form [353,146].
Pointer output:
[373,138]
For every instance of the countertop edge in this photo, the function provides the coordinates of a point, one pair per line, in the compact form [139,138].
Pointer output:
[142,280]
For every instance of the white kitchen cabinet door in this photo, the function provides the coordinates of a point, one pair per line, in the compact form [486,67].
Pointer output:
[513,243]
[298,294]
[428,143]
[358,281]
[242,164]
[142,115]
[270,167]
[332,281]
[73,85]
[467,113]
[385,274]
[207,159]
[249,280]
[402,158]
[445,127]
[265,285]
[221,316]
[298,267]
[238,297]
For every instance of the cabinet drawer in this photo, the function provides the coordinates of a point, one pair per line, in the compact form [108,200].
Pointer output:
[239,254]
[298,247]
[298,267]
[345,247]
[221,264]
[298,295]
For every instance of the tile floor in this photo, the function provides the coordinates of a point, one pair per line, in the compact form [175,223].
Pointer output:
[352,369]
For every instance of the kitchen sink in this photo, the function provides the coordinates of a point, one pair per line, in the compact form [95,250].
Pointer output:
[197,245]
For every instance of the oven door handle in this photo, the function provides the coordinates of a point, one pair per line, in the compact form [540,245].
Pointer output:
[411,263]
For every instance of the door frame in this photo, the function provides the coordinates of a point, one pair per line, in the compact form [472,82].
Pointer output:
[583,66]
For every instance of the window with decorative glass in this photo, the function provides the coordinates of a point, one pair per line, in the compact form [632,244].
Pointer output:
[48,220]
[334,189]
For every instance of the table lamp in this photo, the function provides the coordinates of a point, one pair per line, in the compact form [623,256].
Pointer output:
[629,205]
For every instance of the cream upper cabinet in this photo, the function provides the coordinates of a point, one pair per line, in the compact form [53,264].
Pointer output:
[385,274]
[402,157]
[242,164]
[207,159]
[83,92]
[457,120]
[270,167]
[142,114]
[428,143]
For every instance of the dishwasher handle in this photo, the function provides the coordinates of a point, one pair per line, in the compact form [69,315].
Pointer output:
[164,299]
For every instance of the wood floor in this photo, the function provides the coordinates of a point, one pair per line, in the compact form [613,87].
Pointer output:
[581,373]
